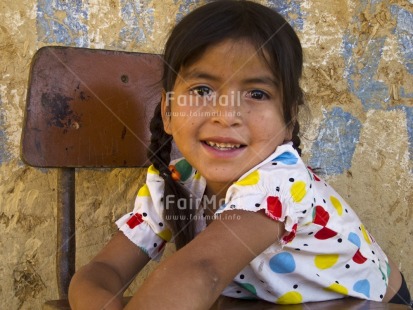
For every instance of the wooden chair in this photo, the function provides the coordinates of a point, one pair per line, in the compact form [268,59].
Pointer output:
[86,109]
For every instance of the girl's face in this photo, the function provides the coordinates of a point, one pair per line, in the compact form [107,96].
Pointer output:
[225,113]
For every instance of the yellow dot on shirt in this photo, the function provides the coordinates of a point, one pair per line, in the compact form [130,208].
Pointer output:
[152,170]
[250,179]
[197,176]
[290,298]
[365,234]
[337,288]
[144,191]
[298,191]
[337,205]
[325,261]
[165,234]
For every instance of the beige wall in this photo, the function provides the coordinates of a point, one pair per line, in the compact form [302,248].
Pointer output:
[359,85]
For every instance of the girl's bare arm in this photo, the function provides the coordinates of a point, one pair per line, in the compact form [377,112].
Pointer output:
[101,283]
[194,276]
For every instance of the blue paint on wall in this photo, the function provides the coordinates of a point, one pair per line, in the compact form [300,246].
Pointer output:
[404,32]
[333,150]
[361,72]
[69,31]
[288,9]
[139,19]
[361,69]
[185,7]
[4,154]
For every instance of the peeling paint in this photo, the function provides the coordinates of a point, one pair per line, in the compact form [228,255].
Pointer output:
[409,124]
[363,82]
[362,57]
[404,31]
[338,136]
[139,20]
[4,155]
[291,10]
[185,7]
[60,21]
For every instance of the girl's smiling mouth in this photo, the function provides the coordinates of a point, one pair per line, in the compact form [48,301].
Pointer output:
[219,144]
[223,146]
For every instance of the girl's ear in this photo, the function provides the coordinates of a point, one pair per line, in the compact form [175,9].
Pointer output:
[165,110]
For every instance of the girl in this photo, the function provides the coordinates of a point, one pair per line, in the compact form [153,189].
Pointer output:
[248,218]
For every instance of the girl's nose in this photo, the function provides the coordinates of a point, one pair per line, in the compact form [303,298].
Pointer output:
[226,111]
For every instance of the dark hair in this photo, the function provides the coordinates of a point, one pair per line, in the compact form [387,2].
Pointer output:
[207,25]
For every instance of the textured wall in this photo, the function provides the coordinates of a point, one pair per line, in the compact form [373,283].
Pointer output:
[358,128]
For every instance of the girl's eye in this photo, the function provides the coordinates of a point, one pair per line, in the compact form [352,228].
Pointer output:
[257,94]
[202,91]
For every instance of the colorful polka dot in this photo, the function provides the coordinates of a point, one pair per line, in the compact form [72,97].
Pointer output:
[250,179]
[325,261]
[362,287]
[365,234]
[337,288]
[290,298]
[135,220]
[144,191]
[388,269]
[165,234]
[290,237]
[282,263]
[298,191]
[355,239]
[152,170]
[184,169]
[160,248]
[321,216]
[337,205]
[286,158]
[359,258]
[274,207]
[197,176]
[325,233]
[249,287]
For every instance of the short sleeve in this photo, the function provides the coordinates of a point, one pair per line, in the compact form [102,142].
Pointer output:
[281,186]
[145,226]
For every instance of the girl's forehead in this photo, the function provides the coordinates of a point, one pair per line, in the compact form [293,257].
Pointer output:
[239,56]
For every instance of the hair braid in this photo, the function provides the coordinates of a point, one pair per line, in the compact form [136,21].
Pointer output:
[179,218]
[159,151]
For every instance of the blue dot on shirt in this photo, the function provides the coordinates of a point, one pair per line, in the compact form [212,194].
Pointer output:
[363,287]
[353,238]
[286,158]
[282,263]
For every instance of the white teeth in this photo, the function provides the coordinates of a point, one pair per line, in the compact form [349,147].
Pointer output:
[223,146]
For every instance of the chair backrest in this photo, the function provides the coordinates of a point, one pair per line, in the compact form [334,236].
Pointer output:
[89,108]
[86,108]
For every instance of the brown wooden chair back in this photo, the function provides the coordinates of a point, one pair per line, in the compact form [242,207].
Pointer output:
[86,108]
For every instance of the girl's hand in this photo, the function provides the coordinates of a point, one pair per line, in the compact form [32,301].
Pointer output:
[194,277]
